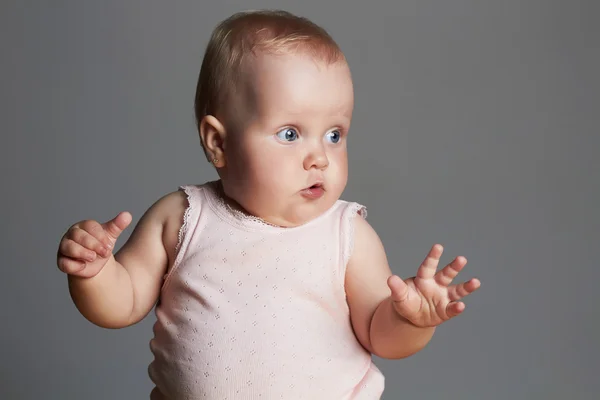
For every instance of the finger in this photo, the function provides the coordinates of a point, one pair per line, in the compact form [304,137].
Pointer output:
[430,263]
[399,288]
[449,272]
[117,225]
[71,249]
[455,308]
[96,230]
[91,242]
[70,266]
[457,292]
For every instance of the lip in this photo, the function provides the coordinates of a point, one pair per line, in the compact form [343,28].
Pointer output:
[313,192]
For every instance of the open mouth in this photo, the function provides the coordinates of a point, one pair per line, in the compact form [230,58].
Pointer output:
[314,192]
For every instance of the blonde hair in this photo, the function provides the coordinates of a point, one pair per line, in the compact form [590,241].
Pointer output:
[247,33]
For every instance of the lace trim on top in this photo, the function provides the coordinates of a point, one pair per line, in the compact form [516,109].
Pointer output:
[186,218]
[348,228]
[218,197]
[242,219]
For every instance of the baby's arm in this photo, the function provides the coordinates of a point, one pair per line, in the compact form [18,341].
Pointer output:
[380,329]
[395,318]
[120,290]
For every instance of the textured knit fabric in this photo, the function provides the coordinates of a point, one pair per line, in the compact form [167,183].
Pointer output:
[254,311]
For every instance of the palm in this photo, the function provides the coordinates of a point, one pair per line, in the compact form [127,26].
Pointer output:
[429,298]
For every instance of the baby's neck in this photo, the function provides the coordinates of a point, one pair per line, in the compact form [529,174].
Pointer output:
[233,205]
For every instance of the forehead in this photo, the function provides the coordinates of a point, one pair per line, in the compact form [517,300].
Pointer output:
[299,84]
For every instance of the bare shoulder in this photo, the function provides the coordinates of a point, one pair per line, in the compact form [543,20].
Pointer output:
[171,209]
[168,208]
[171,205]
[368,254]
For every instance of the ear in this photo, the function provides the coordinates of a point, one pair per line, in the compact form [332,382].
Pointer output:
[212,134]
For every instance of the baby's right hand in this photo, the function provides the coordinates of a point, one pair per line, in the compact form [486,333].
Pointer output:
[87,246]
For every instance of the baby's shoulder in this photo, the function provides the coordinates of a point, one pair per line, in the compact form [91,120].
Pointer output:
[172,206]
[169,211]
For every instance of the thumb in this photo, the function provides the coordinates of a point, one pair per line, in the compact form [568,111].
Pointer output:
[401,297]
[117,225]
[399,288]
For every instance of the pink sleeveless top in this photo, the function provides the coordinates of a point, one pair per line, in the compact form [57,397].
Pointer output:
[254,311]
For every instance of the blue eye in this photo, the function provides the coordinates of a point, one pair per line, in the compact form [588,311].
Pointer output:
[334,136]
[287,134]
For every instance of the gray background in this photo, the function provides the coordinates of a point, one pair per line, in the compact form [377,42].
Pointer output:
[476,126]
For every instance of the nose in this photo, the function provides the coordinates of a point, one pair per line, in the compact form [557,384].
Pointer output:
[316,158]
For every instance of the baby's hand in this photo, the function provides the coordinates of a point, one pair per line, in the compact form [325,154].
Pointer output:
[87,246]
[427,299]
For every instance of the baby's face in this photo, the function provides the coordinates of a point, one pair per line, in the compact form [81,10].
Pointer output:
[287,159]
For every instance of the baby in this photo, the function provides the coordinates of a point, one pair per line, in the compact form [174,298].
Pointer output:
[266,284]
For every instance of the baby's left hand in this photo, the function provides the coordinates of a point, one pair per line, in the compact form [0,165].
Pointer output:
[428,299]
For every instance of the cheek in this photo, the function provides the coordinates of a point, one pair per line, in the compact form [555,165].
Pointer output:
[257,163]
[338,171]
[340,160]
[244,156]
[275,168]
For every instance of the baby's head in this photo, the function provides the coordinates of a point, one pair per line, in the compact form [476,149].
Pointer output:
[273,105]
